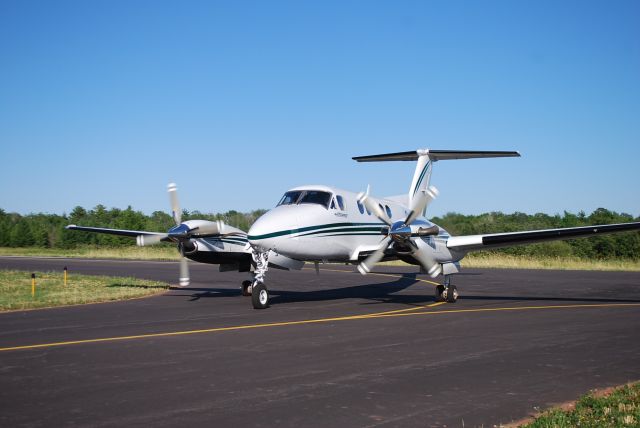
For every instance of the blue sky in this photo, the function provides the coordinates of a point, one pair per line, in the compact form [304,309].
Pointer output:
[106,102]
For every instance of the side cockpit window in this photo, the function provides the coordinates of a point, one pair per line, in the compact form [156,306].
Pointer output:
[340,202]
[290,198]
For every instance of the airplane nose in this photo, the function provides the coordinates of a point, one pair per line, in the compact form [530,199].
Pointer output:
[263,232]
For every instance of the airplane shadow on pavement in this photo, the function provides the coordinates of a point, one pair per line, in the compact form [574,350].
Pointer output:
[385,292]
[376,292]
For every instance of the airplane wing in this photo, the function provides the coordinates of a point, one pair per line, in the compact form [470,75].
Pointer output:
[121,232]
[499,240]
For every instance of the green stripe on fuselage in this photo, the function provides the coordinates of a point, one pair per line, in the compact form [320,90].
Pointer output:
[320,227]
[352,234]
[350,229]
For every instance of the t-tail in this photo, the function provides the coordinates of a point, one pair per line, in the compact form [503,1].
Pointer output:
[426,158]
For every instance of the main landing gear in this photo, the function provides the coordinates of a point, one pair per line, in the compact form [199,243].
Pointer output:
[246,288]
[447,292]
[256,288]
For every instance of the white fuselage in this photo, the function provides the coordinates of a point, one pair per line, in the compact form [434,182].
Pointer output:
[327,230]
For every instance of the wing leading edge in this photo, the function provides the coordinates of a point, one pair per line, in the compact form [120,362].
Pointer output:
[120,232]
[499,240]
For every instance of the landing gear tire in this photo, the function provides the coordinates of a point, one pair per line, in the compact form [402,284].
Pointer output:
[451,294]
[447,292]
[246,288]
[260,296]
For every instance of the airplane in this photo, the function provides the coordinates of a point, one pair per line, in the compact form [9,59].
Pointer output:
[324,224]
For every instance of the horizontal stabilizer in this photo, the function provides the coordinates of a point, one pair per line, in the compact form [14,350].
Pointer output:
[436,155]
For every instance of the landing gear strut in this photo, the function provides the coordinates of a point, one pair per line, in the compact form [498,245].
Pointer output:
[259,292]
[447,292]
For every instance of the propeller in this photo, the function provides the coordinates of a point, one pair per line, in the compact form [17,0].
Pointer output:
[183,233]
[419,203]
[176,212]
[373,207]
[184,272]
[401,233]
[368,264]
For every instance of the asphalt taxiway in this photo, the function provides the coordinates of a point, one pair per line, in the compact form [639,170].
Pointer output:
[335,349]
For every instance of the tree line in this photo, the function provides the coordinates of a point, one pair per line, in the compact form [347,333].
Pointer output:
[47,230]
[618,245]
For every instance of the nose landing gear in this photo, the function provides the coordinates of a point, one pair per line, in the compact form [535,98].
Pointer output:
[257,289]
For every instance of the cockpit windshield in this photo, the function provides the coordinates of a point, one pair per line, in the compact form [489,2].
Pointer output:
[306,197]
[290,198]
[316,197]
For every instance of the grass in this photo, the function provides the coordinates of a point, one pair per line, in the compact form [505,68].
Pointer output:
[620,408]
[505,261]
[160,252]
[15,289]
[473,260]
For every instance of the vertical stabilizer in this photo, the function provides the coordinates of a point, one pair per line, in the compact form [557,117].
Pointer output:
[421,176]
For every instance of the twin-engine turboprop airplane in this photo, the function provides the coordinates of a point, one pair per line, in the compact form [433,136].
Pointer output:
[325,224]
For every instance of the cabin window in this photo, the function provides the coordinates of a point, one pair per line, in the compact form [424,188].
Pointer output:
[290,198]
[340,202]
[360,207]
[388,211]
[316,197]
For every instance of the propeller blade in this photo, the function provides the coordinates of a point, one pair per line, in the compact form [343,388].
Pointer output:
[427,262]
[373,207]
[176,212]
[144,240]
[368,263]
[420,202]
[184,272]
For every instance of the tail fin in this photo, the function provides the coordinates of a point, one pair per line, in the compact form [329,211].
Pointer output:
[426,158]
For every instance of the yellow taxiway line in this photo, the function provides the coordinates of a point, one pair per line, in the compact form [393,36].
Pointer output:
[413,311]
[517,308]
[387,314]
[213,330]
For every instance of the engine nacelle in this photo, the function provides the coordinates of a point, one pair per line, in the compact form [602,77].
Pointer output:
[204,227]
[188,247]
